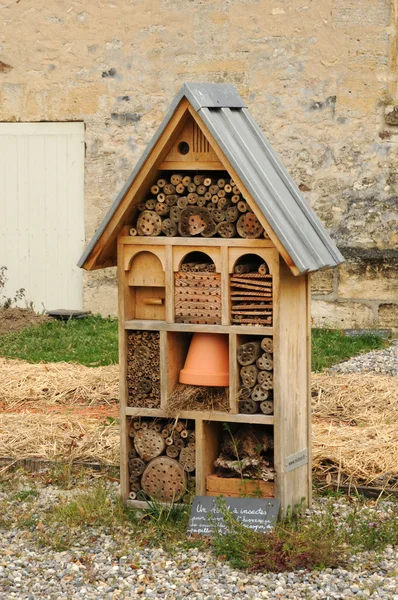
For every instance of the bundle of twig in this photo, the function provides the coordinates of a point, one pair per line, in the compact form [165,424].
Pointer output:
[58,437]
[248,467]
[56,383]
[193,397]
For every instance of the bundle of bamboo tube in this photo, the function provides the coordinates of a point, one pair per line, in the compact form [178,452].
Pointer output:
[256,376]
[162,459]
[251,295]
[189,205]
[143,369]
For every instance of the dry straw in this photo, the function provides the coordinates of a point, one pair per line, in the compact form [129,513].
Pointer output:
[355,433]
[356,455]
[22,383]
[192,397]
[365,399]
[58,437]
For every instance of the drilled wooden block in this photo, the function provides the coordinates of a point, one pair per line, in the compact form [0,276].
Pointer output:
[198,297]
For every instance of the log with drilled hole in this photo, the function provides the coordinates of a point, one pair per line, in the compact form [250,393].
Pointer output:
[164,479]
[248,353]
[247,407]
[248,375]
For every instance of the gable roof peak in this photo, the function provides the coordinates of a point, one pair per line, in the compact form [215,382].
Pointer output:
[293,226]
[211,95]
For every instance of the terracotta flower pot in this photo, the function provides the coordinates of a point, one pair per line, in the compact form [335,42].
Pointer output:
[207,362]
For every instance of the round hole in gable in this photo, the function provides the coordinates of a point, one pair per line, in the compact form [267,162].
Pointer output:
[183,148]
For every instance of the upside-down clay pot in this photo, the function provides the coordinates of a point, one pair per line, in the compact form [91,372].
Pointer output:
[207,362]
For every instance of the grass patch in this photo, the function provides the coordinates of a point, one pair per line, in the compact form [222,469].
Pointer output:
[330,346]
[95,507]
[91,342]
[320,541]
[166,525]
[25,495]
[64,524]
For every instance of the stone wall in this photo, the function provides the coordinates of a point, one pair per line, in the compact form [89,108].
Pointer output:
[361,293]
[319,77]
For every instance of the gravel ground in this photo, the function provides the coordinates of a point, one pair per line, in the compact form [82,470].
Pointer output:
[379,362]
[92,569]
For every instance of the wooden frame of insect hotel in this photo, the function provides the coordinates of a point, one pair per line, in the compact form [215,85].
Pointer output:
[214,245]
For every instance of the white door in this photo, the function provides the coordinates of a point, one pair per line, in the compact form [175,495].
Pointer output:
[42,212]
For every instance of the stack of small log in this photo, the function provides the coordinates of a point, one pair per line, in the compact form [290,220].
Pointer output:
[197,290]
[245,452]
[256,377]
[194,205]
[162,459]
[251,295]
[143,369]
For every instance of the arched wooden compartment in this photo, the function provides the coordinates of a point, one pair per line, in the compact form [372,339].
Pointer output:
[251,289]
[146,281]
[197,286]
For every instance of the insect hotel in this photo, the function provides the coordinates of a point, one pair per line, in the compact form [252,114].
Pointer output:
[214,245]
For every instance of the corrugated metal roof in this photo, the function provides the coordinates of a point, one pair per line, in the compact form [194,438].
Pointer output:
[298,228]
[226,116]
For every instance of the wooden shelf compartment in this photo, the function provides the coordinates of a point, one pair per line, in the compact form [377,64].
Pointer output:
[236,370]
[143,369]
[209,435]
[160,469]
[176,350]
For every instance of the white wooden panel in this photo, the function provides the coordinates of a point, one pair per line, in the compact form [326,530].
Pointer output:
[42,211]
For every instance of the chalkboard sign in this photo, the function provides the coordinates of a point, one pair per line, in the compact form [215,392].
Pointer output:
[258,514]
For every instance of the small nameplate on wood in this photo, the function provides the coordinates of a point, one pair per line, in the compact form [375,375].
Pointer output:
[258,514]
[383,333]
[296,460]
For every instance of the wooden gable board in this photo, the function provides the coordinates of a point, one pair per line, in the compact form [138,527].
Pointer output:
[104,253]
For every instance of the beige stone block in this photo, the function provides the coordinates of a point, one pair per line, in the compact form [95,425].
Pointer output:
[81,100]
[341,315]
[364,12]
[216,66]
[388,316]
[322,282]
[369,281]
[100,292]
[33,109]
[359,94]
